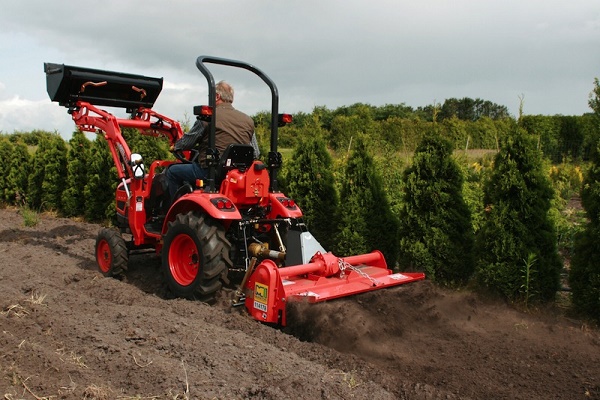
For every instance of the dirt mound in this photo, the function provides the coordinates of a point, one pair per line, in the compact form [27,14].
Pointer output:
[456,341]
[69,333]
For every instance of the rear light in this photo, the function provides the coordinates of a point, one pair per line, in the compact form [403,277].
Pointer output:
[223,204]
[284,119]
[206,111]
[203,112]
[287,202]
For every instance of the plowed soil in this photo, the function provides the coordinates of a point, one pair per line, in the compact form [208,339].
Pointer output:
[67,332]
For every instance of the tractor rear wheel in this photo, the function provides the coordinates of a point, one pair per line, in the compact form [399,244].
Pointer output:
[195,256]
[111,252]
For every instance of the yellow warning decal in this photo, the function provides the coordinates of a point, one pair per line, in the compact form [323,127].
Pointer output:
[261,293]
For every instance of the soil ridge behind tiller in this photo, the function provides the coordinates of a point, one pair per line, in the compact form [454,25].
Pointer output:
[235,223]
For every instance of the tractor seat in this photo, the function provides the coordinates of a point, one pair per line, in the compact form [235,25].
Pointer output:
[235,156]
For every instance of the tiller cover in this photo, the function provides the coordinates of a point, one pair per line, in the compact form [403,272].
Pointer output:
[326,277]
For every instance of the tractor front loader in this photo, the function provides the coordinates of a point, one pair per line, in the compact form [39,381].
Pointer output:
[235,224]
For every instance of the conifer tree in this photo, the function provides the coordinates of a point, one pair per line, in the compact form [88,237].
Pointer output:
[47,180]
[6,163]
[584,275]
[55,173]
[516,245]
[149,147]
[99,192]
[310,182]
[367,221]
[436,234]
[20,167]
[73,200]
[36,178]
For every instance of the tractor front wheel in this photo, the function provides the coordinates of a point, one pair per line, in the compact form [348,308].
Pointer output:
[195,256]
[111,252]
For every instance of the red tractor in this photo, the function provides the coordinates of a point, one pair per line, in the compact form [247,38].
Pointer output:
[235,220]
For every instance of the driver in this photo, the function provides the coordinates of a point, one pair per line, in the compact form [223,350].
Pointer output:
[232,126]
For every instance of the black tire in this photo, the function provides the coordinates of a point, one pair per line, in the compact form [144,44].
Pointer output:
[195,256]
[111,253]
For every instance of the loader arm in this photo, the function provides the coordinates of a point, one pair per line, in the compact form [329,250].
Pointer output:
[83,91]
[90,118]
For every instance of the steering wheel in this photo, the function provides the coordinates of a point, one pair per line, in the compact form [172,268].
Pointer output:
[181,157]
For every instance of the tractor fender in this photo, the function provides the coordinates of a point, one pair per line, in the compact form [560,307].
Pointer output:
[281,207]
[205,202]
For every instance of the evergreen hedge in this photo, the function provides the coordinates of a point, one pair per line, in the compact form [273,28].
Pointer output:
[516,246]
[309,180]
[367,221]
[584,275]
[436,234]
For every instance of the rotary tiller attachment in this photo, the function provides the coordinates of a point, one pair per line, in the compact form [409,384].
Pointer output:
[325,277]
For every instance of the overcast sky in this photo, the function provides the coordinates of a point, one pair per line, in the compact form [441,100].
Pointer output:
[319,52]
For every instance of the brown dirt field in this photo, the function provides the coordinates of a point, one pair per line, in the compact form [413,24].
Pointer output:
[69,333]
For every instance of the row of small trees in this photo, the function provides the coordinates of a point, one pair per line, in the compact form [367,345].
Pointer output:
[432,230]
[364,198]
[75,179]
[511,250]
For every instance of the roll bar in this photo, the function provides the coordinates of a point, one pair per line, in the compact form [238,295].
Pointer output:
[274,161]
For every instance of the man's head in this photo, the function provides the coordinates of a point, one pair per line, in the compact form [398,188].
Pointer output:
[224,92]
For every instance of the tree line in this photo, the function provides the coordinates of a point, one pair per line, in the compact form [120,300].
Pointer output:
[78,178]
[392,178]
[466,123]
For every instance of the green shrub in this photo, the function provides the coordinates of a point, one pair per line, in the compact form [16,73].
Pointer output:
[78,158]
[367,220]
[6,162]
[436,234]
[99,191]
[517,223]
[48,176]
[584,276]
[309,180]
[55,174]
[18,174]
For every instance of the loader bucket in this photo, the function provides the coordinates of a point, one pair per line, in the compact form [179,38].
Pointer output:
[67,84]
[326,277]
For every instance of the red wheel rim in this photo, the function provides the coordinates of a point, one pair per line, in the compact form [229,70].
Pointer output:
[184,260]
[104,256]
